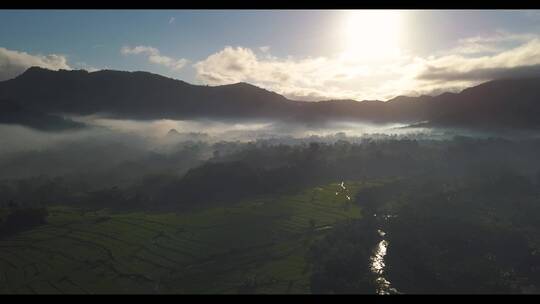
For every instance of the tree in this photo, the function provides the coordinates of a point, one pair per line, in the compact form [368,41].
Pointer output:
[341,261]
[23,218]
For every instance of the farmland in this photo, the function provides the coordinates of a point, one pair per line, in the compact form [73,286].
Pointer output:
[252,246]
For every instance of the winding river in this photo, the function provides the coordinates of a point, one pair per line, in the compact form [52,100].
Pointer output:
[377,259]
[377,267]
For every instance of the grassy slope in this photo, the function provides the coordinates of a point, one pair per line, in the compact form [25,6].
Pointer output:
[253,246]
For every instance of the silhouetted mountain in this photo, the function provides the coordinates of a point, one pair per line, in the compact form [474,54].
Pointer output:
[137,95]
[513,103]
[142,95]
[13,113]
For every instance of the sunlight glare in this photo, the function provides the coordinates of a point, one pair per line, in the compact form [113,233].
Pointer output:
[372,34]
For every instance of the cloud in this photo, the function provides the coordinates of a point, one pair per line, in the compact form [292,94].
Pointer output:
[534,14]
[13,63]
[497,42]
[87,67]
[154,56]
[442,74]
[311,78]
[171,20]
[520,61]
[473,60]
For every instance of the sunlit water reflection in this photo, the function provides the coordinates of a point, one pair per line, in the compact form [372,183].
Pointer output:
[378,267]
[377,259]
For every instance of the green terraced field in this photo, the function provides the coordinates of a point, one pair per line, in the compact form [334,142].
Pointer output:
[254,246]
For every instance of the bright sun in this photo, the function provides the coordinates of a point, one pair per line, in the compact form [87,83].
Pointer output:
[372,34]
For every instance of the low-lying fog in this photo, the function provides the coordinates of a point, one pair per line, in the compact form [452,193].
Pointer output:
[152,158]
[213,130]
[158,135]
[108,143]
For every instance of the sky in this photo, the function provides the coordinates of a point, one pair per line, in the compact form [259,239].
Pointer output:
[303,54]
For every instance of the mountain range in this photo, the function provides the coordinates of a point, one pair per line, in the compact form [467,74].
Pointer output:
[38,97]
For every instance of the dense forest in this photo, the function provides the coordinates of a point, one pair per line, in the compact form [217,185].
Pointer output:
[457,215]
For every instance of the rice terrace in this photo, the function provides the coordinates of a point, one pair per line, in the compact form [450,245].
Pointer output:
[257,245]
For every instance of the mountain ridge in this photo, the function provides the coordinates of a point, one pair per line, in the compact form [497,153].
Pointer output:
[145,95]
